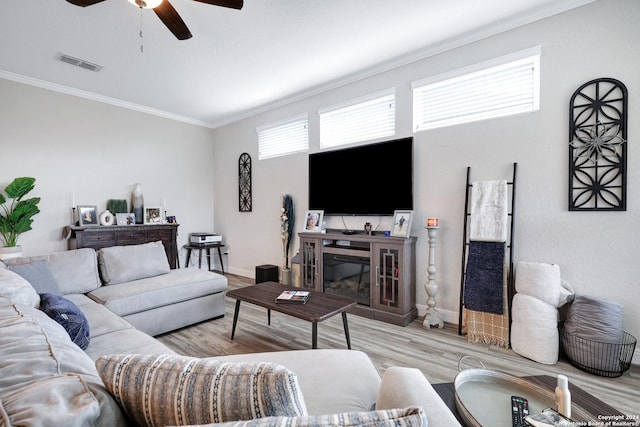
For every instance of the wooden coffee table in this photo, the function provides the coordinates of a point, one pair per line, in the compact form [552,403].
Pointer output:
[319,307]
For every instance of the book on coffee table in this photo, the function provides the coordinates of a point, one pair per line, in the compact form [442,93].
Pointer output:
[295,297]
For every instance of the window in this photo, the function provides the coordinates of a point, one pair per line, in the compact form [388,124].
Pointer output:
[287,137]
[360,120]
[500,87]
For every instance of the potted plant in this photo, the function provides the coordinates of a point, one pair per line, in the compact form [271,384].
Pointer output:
[16,214]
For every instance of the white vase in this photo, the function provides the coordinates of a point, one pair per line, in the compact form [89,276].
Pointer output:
[8,252]
[137,203]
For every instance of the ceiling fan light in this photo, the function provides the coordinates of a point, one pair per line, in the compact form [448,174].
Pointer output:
[146,4]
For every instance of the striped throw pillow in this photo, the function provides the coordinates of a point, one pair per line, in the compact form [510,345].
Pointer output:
[159,390]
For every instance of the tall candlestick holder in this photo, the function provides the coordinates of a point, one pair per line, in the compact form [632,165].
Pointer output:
[431,287]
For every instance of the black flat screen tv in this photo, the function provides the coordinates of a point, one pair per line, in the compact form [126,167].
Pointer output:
[374,179]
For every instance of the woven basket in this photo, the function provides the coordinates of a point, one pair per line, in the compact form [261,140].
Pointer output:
[596,357]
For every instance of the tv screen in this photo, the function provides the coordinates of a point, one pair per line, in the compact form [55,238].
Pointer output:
[374,179]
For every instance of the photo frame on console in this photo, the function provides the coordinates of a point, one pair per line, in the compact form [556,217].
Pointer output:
[402,223]
[126,218]
[313,221]
[88,215]
[153,215]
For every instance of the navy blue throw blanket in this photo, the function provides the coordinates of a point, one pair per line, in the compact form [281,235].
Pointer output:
[484,285]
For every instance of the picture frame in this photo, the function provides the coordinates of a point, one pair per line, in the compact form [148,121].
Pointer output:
[313,221]
[88,215]
[402,223]
[126,218]
[153,215]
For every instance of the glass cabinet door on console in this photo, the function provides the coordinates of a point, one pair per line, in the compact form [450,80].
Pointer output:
[388,287]
[311,265]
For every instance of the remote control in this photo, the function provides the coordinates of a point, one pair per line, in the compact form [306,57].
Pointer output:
[519,410]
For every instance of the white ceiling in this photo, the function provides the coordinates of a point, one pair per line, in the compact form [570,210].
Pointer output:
[238,62]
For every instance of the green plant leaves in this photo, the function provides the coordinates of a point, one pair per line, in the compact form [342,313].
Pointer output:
[17,217]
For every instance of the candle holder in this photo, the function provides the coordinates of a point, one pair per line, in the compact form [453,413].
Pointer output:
[432,317]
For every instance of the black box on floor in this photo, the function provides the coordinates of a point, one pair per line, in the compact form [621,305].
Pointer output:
[266,273]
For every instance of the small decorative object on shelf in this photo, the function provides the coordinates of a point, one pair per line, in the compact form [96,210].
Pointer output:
[432,317]
[432,222]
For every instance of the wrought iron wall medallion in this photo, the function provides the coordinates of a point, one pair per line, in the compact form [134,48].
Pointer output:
[244,183]
[598,146]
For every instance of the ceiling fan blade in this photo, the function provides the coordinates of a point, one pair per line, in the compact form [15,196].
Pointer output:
[169,16]
[234,4]
[84,3]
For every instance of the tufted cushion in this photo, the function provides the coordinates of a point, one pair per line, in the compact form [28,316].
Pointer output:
[17,290]
[120,264]
[534,329]
[409,417]
[69,316]
[38,274]
[539,280]
[177,390]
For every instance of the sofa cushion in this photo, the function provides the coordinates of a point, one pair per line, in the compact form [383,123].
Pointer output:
[329,387]
[120,264]
[153,292]
[167,390]
[408,417]
[75,271]
[69,316]
[45,379]
[17,290]
[101,320]
[126,341]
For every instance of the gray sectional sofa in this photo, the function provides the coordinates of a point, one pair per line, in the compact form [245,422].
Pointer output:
[47,380]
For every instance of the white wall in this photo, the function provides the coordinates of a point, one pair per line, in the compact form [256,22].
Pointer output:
[596,251]
[98,151]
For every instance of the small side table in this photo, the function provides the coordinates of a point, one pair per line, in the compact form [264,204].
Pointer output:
[207,247]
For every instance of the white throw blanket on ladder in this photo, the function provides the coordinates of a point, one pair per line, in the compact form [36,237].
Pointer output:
[489,211]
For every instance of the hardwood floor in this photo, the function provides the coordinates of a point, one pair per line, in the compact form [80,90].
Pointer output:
[435,352]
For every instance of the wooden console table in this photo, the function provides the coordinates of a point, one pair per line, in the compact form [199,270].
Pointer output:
[375,270]
[102,236]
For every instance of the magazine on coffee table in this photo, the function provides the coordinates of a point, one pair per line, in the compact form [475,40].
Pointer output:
[549,417]
[294,297]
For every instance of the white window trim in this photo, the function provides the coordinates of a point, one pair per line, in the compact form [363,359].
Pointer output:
[535,51]
[296,146]
[324,144]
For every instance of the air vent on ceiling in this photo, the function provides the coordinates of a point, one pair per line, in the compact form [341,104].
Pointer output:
[79,62]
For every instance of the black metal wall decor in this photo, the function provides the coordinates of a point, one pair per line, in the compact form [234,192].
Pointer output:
[244,183]
[598,146]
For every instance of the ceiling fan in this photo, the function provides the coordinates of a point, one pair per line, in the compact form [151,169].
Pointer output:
[167,13]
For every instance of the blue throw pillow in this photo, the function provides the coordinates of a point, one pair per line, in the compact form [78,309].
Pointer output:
[67,314]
